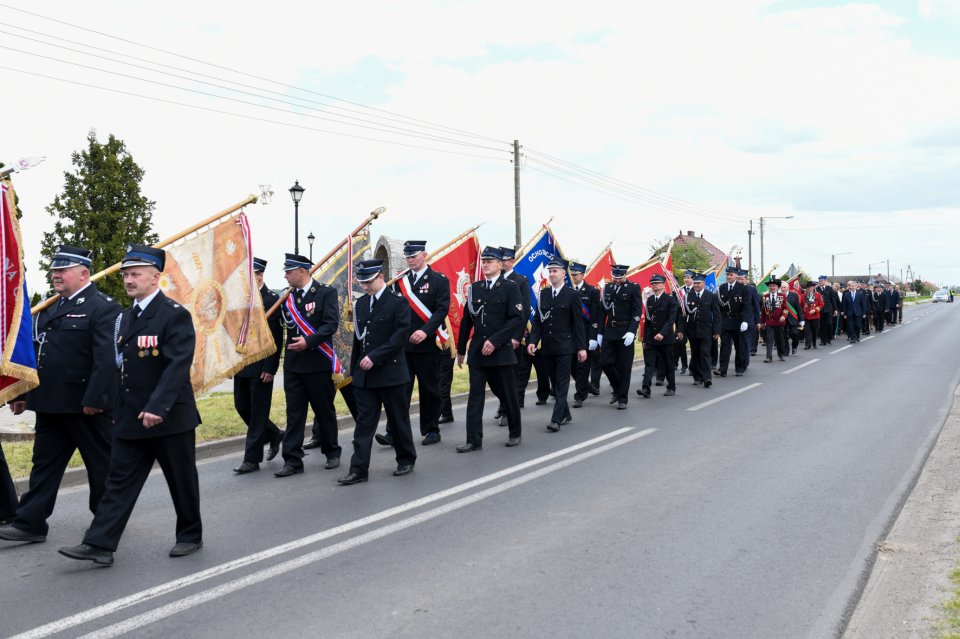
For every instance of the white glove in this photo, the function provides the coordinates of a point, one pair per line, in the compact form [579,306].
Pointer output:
[593,344]
[743,327]
[600,339]
[628,338]
[802,324]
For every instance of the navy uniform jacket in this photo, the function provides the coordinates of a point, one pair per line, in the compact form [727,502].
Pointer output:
[272,363]
[494,315]
[75,358]
[732,305]
[751,306]
[794,300]
[526,299]
[558,323]
[384,331]
[829,301]
[156,353]
[703,315]
[660,318]
[681,316]
[590,300]
[621,308]
[880,302]
[854,307]
[433,289]
[320,309]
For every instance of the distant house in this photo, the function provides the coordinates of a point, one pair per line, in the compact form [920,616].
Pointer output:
[717,256]
[879,278]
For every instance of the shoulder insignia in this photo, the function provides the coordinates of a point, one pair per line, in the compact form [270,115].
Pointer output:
[520,307]
[497,284]
[80,300]
[313,289]
[636,318]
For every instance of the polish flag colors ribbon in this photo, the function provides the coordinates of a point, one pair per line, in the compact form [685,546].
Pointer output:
[419,307]
[306,330]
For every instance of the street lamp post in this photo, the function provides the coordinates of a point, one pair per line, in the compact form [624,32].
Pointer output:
[833,257]
[296,192]
[870,269]
[775,217]
[310,239]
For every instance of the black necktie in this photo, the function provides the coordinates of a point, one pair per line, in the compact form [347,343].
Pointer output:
[136,312]
[413,278]
[489,284]
[60,303]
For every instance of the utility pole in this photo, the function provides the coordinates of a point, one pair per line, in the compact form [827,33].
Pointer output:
[762,272]
[750,251]
[833,259]
[516,194]
[888,270]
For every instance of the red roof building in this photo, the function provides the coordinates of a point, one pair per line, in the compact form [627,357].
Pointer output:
[717,256]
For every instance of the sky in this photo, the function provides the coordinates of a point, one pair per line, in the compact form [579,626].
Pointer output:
[636,121]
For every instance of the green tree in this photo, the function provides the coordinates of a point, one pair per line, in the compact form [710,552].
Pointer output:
[919,287]
[101,208]
[689,256]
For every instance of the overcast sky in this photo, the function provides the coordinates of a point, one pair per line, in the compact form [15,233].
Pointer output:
[843,115]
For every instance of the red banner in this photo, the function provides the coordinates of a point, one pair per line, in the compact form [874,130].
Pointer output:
[599,272]
[459,263]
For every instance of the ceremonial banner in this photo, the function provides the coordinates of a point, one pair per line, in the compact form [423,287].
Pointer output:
[460,263]
[641,274]
[531,262]
[600,271]
[18,364]
[211,275]
[338,273]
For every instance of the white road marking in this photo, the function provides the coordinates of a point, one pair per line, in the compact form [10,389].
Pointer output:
[189,580]
[240,583]
[796,368]
[723,397]
[868,337]
[841,349]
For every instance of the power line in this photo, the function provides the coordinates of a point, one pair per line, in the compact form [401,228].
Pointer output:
[244,116]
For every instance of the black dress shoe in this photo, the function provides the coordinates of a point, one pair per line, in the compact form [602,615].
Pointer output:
[403,469]
[782,360]
[384,440]
[313,443]
[541,402]
[767,360]
[9,533]
[184,548]
[594,390]
[622,406]
[286,471]
[553,427]
[513,441]
[445,419]
[644,392]
[85,552]
[793,352]
[659,382]
[707,384]
[502,421]
[332,462]
[614,400]
[566,420]
[683,371]
[469,447]
[274,447]
[578,403]
[246,467]
[669,393]
[739,373]
[697,382]
[431,438]
[351,478]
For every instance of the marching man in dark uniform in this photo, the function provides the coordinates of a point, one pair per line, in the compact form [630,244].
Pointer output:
[791,336]
[813,305]
[751,315]
[156,415]
[78,390]
[774,319]
[622,309]
[589,304]
[830,310]
[702,327]
[894,304]
[380,373]
[732,306]
[524,361]
[428,294]
[659,336]
[253,389]
[854,308]
[495,317]
[558,329]
[311,314]
[680,348]
[881,304]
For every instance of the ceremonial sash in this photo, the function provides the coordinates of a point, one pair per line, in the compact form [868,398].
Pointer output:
[584,311]
[419,307]
[792,311]
[305,329]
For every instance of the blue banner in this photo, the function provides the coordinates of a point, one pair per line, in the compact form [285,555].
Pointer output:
[533,265]
[710,282]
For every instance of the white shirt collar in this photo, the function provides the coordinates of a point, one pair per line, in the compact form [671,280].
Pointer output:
[145,301]
[557,289]
[82,290]
[418,274]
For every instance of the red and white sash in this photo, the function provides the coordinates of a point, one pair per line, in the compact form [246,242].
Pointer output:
[419,307]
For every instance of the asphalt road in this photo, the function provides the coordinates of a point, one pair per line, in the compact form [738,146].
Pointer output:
[755,516]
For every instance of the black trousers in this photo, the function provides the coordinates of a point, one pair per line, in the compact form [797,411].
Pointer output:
[730,340]
[130,464]
[773,336]
[596,368]
[657,359]
[425,367]
[252,398]
[827,326]
[317,391]
[791,335]
[57,437]
[853,327]
[8,491]
[700,358]
[811,332]
[558,369]
[446,383]
[753,340]
[581,375]
[524,364]
[618,366]
[501,380]
[715,353]
[680,353]
[878,317]
[396,402]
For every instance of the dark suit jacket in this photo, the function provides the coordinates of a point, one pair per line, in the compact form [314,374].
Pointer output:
[433,289]
[733,303]
[558,323]
[590,300]
[76,362]
[321,310]
[158,384]
[881,302]
[526,299]
[854,306]
[272,363]
[828,295]
[660,318]
[385,330]
[794,301]
[894,299]
[621,309]
[751,305]
[703,315]
[496,315]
